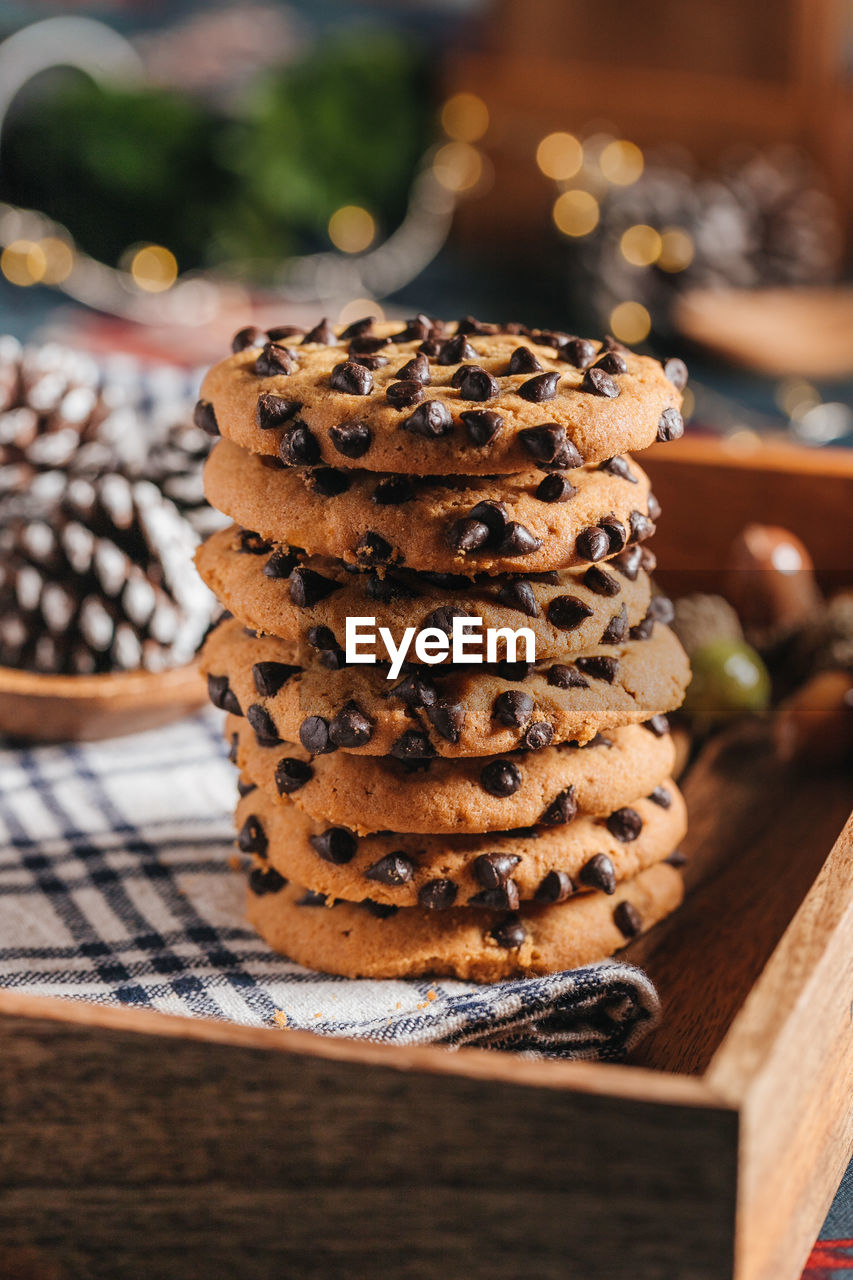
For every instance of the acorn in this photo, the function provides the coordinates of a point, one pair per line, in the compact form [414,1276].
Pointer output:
[729,681]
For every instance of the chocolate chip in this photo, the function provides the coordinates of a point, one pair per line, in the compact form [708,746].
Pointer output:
[264,725]
[369,362]
[468,324]
[280,331]
[442,618]
[265,880]
[671,425]
[234,748]
[205,418]
[597,740]
[403,395]
[437,895]
[512,708]
[393,491]
[322,333]
[500,778]
[477,384]
[447,718]
[555,887]
[372,548]
[676,371]
[412,745]
[351,727]
[562,809]
[250,337]
[504,897]
[518,540]
[244,787]
[617,628]
[252,838]
[358,328]
[628,920]
[592,544]
[455,350]
[579,352]
[661,610]
[599,383]
[361,349]
[273,411]
[618,467]
[519,595]
[537,736]
[382,910]
[415,370]
[311,898]
[513,670]
[352,439]
[337,845]
[394,869]
[658,725]
[292,774]
[415,691]
[511,934]
[523,360]
[431,419]
[420,327]
[660,796]
[314,735]
[298,447]
[628,563]
[270,676]
[430,347]
[222,695]
[599,668]
[322,638]
[281,563]
[567,613]
[617,534]
[329,482]
[612,362]
[494,516]
[493,869]
[678,858]
[481,425]
[468,535]
[388,588]
[352,379]
[542,386]
[599,873]
[543,443]
[625,825]
[565,677]
[602,583]
[274,361]
[555,488]
[654,507]
[307,587]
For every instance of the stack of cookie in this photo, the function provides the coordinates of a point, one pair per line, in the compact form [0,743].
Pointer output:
[478,819]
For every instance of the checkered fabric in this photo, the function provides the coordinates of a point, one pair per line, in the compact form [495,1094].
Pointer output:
[117,887]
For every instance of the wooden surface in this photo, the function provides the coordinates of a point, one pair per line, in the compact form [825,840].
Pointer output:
[45,708]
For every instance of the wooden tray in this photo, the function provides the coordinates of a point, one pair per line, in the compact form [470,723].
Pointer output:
[138,1145]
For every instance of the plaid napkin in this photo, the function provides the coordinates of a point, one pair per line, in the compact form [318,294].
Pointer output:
[117,886]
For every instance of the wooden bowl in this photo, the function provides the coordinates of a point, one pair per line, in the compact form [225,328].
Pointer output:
[45,708]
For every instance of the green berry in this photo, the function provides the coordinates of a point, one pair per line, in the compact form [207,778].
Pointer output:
[729,681]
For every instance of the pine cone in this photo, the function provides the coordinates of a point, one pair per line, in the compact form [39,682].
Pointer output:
[96,575]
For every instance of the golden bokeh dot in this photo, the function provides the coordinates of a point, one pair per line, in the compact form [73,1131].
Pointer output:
[358,308]
[559,156]
[465,117]
[640,245]
[458,166]
[59,259]
[351,229]
[795,396]
[630,322]
[576,213]
[23,262]
[154,268]
[676,249]
[621,162]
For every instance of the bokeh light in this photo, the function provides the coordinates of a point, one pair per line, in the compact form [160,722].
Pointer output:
[23,262]
[58,259]
[559,156]
[351,229]
[154,268]
[358,308]
[676,249]
[576,213]
[630,322]
[640,245]
[458,166]
[465,117]
[795,397]
[621,162]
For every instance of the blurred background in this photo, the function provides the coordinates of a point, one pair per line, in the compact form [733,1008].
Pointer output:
[678,176]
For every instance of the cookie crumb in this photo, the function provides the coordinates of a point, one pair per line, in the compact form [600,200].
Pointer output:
[280,1018]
